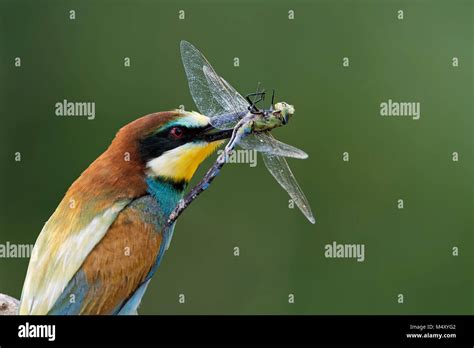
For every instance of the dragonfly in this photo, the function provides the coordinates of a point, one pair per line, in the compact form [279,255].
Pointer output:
[227,109]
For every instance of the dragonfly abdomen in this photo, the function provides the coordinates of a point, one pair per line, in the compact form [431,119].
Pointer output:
[228,120]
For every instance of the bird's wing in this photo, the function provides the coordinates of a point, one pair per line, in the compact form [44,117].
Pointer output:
[67,238]
[119,265]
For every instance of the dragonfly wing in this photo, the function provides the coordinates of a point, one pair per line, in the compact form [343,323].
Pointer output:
[238,99]
[193,62]
[211,93]
[265,142]
[234,105]
[280,170]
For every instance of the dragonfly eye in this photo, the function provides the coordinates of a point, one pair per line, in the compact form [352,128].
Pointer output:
[176,132]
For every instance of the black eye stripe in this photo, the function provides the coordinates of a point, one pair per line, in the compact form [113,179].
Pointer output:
[156,144]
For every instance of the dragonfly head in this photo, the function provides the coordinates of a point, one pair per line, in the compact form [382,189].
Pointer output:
[285,111]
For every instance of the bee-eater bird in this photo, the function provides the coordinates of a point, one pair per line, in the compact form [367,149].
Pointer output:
[98,251]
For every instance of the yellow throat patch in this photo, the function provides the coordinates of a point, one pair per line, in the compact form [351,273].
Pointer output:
[182,162]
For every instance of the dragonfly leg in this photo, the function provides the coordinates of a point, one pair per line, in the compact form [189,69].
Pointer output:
[254,102]
[236,134]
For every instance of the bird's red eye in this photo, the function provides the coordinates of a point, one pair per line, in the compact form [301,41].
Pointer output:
[177,132]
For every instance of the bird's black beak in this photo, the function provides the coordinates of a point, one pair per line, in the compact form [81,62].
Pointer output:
[210,134]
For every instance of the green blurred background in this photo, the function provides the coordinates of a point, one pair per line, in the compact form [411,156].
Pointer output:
[407,251]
